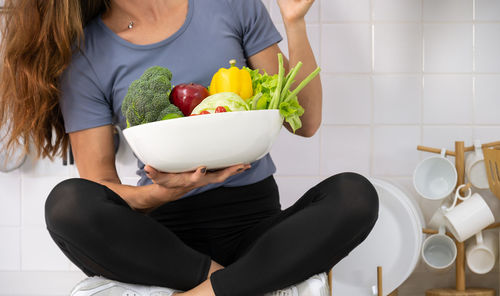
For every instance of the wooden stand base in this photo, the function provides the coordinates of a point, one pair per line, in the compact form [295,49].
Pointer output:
[453,292]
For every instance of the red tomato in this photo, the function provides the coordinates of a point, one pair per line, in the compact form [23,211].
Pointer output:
[220,109]
[204,112]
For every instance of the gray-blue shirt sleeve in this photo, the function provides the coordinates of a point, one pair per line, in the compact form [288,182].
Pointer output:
[83,103]
[254,25]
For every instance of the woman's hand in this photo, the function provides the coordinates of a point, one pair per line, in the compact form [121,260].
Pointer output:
[294,10]
[185,182]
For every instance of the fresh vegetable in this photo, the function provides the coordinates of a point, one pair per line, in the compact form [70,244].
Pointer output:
[171,116]
[232,80]
[264,86]
[147,98]
[187,95]
[220,109]
[273,92]
[230,101]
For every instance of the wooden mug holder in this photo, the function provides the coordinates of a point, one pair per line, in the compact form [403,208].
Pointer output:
[460,289]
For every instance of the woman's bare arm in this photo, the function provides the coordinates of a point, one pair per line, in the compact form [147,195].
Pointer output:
[310,98]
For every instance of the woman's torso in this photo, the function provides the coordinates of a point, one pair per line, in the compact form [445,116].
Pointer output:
[213,33]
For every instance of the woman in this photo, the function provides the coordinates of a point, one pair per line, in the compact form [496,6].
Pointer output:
[67,66]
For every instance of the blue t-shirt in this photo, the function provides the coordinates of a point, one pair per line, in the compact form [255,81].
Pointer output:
[215,31]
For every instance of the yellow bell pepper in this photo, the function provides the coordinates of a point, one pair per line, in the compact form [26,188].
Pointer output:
[232,80]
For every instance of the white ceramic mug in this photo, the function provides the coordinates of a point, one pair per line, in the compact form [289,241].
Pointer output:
[435,178]
[439,250]
[469,217]
[475,168]
[481,254]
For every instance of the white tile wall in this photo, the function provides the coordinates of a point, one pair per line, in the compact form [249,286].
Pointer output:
[397,99]
[396,74]
[10,211]
[39,251]
[345,10]
[346,48]
[305,151]
[448,10]
[487,47]
[10,256]
[40,283]
[340,89]
[487,10]
[394,150]
[448,99]
[445,136]
[448,47]
[487,98]
[345,148]
[35,192]
[397,10]
[398,48]
[486,133]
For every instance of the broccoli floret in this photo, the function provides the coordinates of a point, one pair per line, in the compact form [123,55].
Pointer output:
[147,97]
[170,109]
[156,71]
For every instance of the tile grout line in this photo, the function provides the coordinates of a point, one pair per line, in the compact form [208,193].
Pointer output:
[22,200]
[422,79]
[371,168]
[474,68]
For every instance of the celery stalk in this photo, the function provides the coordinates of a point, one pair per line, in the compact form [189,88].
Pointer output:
[277,93]
[289,80]
[303,84]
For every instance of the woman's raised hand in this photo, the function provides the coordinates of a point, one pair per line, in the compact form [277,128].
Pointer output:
[294,10]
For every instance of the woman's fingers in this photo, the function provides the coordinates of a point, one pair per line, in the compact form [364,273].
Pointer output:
[222,175]
[197,178]
[150,171]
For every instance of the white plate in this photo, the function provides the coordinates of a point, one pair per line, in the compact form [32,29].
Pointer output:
[394,244]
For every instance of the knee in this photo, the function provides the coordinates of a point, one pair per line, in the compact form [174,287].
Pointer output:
[64,202]
[355,196]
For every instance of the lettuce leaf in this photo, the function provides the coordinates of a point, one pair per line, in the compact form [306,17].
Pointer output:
[229,100]
[291,111]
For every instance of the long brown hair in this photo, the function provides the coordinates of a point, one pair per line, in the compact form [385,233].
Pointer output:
[38,39]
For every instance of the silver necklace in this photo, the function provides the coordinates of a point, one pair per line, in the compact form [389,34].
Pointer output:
[131,23]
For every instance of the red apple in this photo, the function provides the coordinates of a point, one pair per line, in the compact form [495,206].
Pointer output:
[186,96]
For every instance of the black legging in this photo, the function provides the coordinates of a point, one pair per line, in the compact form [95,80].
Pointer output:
[243,228]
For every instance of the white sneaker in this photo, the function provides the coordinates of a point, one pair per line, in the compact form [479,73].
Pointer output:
[290,291]
[100,286]
[317,285]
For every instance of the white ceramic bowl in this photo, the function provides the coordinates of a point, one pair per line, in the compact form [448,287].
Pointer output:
[213,140]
